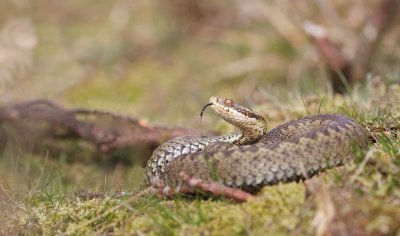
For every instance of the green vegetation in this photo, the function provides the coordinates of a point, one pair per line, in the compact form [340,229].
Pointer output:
[365,191]
[148,59]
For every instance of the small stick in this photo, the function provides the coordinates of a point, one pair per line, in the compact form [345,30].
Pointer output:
[215,188]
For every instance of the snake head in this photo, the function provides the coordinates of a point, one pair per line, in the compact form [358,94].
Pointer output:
[251,123]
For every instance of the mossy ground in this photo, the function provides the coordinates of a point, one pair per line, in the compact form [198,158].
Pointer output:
[365,191]
[151,60]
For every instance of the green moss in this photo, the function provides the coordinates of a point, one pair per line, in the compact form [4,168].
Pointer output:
[277,210]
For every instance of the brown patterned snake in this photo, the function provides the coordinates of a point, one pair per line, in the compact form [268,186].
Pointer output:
[253,157]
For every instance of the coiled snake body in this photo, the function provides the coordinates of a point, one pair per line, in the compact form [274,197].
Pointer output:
[253,157]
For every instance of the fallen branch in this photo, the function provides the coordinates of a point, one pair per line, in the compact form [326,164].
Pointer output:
[33,122]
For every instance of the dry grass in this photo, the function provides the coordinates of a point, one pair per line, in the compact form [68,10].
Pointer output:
[360,198]
[151,59]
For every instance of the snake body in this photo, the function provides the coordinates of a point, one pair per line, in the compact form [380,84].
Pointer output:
[253,157]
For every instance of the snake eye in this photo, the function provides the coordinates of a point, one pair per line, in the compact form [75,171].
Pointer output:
[228,102]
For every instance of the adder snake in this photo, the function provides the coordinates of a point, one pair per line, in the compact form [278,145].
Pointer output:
[253,157]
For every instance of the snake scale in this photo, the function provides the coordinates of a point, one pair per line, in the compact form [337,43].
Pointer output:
[252,158]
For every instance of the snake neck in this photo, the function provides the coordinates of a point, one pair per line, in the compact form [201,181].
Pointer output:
[229,138]
[250,135]
[246,136]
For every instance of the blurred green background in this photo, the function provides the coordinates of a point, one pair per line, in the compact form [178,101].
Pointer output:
[161,61]
[143,57]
